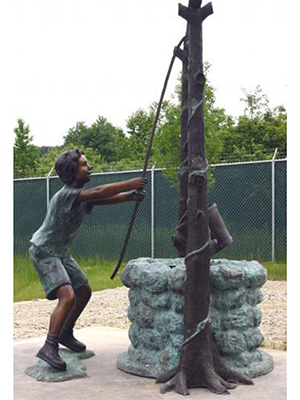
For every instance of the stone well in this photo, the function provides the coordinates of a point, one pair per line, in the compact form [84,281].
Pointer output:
[156,312]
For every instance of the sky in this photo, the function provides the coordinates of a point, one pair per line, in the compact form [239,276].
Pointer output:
[73,60]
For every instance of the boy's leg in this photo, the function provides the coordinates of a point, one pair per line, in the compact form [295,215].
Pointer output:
[66,301]
[83,295]
[57,284]
[49,352]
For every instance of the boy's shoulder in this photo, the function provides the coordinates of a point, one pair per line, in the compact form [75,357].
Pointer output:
[67,191]
[66,195]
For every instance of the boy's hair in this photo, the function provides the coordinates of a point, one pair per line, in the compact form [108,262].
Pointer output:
[66,165]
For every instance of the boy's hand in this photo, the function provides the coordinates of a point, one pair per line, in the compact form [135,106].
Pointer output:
[138,183]
[137,195]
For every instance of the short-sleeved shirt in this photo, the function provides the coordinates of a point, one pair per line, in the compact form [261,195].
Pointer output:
[62,223]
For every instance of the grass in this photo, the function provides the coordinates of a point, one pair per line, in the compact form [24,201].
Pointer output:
[276,271]
[27,285]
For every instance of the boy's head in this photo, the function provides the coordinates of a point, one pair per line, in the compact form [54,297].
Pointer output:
[66,165]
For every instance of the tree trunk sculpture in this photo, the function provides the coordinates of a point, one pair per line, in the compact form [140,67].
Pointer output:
[200,364]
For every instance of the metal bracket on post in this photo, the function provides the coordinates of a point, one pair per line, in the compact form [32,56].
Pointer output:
[48,187]
[273,205]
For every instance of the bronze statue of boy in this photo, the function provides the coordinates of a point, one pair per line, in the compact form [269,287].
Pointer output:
[59,273]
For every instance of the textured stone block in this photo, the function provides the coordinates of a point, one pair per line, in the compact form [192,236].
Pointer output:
[134,296]
[134,334]
[156,311]
[230,342]
[257,316]
[176,279]
[152,339]
[131,275]
[158,301]
[255,275]
[177,302]
[254,296]
[154,278]
[169,321]
[225,300]
[144,316]
[238,318]
[223,276]
[253,338]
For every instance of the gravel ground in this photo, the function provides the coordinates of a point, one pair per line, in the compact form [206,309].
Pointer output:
[109,308]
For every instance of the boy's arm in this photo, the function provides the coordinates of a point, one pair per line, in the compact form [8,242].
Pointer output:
[110,190]
[133,195]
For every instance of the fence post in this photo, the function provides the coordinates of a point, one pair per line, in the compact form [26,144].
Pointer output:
[48,187]
[273,205]
[152,213]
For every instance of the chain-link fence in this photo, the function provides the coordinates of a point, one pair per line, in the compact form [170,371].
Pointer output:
[251,198]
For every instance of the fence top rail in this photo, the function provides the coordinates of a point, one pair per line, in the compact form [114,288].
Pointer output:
[247,162]
[96,173]
[153,169]
[30,178]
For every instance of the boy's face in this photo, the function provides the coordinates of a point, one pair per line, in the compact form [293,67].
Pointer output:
[84,169]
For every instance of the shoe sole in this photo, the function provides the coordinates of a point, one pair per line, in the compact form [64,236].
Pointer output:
[51,363]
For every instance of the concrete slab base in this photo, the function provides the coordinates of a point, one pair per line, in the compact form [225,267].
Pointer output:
[105,381]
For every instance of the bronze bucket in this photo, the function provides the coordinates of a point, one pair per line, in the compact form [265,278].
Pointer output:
[218,228]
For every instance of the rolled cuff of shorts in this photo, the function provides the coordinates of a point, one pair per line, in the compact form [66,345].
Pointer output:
[79,283]
[51,293]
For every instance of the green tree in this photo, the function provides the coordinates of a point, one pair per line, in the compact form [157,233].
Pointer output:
[139,127]
[106,140]
[257,132]
[47,161]
[166,145]
[44,149]
[26,155]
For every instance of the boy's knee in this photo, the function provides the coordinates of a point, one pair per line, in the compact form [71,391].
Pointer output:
[66,294]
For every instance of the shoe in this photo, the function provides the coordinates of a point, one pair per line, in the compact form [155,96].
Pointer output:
[49,353]
[67,338]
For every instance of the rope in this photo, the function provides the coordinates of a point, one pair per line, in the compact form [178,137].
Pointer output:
[136,207]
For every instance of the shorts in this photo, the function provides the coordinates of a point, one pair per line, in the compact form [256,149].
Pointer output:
[54,271]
